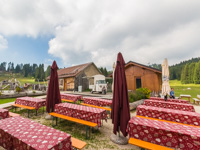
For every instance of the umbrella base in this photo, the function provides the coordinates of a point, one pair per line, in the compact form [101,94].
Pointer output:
[121,140]
[48,117]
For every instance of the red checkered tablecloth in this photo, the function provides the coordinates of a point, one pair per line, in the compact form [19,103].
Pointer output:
[71,97]
[81,112]
[170,100]
[97,101]
[31,101]
[185,117]
[23,134]
[4,113]
[164,133]
[170,105]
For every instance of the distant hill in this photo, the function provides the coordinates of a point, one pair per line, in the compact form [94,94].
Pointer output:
[175,70]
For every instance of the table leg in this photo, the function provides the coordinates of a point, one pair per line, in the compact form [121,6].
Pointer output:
[189,100]
[92,130]
[28,113]
[52,120]
[89,132]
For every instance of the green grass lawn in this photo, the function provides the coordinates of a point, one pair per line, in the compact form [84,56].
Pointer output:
[187,89]
[7,100]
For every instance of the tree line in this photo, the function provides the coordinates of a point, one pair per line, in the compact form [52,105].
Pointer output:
[191,73]
[26,70]
[186,71]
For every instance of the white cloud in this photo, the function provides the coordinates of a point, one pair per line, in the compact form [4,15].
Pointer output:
[3,43]
[85,31]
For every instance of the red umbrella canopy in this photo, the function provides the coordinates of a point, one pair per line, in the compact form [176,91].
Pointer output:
[53,94]
[120,113]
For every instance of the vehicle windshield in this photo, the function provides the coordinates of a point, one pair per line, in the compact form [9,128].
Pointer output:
[101,82]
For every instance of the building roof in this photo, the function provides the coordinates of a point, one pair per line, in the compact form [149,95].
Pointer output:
[140,65]
[143,66]
[72,71]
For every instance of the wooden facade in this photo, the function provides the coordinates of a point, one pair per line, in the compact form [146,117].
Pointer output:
[138,75]
[72,77]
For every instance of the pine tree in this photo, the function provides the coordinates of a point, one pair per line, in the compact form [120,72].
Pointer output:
[48,71]
[197,73]
[191,72]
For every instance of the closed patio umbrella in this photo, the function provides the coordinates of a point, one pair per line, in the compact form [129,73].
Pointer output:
[53,94]
[120,113]
[165,78]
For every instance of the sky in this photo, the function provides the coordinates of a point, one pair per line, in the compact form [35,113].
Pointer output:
[74,32]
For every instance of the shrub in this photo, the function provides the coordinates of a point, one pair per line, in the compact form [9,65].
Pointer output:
[18,89]
[145,91]
[34,91]
[140,93]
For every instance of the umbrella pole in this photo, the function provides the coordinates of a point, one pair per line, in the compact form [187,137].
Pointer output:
[119,131]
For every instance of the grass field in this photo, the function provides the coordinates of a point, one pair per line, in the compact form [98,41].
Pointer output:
[7,100]
[191,89]
[19,77]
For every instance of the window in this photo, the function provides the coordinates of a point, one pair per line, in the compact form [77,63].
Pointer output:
[101,82]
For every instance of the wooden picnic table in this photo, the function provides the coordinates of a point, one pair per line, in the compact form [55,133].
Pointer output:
[164,133]
[4,113]
[170,105]
[186,96]
[72,97]
[169,100]
[22,133]
[31,101]
[185,117]
[81,112]
[97,101]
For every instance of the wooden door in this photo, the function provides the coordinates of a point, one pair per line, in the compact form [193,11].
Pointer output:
[65,84]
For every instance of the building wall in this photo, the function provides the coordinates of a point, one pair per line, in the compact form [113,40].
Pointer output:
[84,82]
[68,84]
[149,79]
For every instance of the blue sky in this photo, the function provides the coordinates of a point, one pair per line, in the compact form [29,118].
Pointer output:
[23,49]
[77,32]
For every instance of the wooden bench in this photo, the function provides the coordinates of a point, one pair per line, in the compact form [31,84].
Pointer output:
[196,101]
[78,144]
[23,106]
[86,123]
[11,114]
[147,145]
[66,100]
